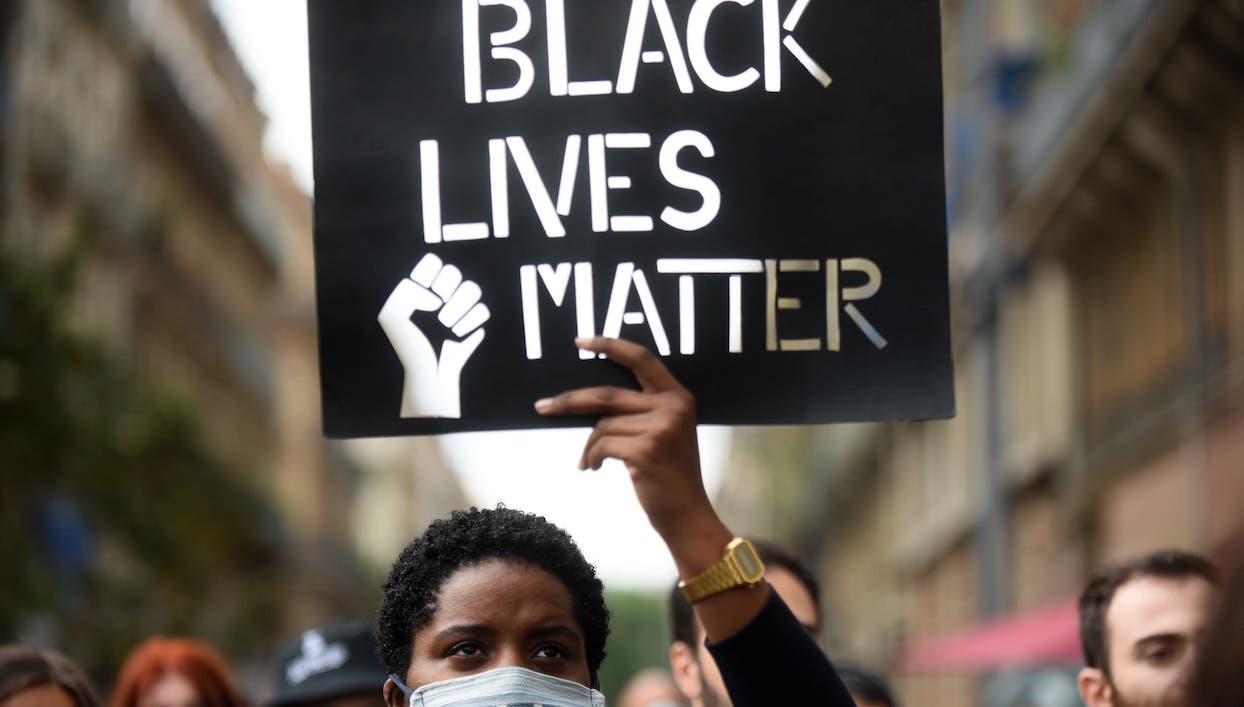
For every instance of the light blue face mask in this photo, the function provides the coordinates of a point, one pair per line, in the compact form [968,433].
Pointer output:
[503,687]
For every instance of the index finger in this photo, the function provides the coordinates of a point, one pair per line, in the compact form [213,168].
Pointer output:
[651,374]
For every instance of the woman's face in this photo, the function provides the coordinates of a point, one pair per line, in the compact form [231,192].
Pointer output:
[499,614]
[46,695]
[172,690]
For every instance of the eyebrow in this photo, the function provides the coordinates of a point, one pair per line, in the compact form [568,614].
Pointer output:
[556,631]
[1160,638]
[461,630]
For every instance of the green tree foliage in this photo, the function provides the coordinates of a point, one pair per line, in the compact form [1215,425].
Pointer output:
[639,637]
[115,520]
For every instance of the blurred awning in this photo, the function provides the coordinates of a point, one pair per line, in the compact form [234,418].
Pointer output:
[1043,637]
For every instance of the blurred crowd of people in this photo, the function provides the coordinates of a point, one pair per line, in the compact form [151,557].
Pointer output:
[499,607]
[332,666]
[1161,629]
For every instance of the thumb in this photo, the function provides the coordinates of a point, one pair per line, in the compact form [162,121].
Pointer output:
[454,354]
[472,342]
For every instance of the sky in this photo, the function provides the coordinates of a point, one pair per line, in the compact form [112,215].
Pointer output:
[530,470]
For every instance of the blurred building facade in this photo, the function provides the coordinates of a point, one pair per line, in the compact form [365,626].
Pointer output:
[129,132]
[1095,174]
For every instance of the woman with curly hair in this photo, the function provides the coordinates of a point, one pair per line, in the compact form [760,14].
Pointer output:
[498,607]
[174,672]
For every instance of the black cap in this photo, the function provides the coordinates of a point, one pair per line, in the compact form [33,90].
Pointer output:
[327,662]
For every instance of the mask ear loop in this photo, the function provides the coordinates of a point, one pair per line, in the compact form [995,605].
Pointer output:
[401,686]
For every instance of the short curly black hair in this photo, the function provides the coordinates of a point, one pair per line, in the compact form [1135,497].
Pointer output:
[467,538]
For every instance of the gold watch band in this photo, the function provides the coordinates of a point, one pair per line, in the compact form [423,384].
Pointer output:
[716,579]
[739,567]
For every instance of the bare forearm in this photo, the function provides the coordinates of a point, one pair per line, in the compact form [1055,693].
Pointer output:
[696,544]
[653,432]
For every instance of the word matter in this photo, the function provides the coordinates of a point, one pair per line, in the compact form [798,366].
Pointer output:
[839,299]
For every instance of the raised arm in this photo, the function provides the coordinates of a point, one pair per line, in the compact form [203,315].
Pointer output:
[652,431]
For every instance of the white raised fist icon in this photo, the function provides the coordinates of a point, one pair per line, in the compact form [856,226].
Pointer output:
[431,387]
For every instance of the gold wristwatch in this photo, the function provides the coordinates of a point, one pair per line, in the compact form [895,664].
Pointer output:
[741,567]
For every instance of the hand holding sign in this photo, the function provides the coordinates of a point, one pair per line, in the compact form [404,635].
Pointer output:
[431,387]
[652,431]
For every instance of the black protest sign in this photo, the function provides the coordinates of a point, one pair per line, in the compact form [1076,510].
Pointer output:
[751,188]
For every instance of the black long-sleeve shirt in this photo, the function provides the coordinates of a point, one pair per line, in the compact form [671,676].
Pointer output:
[773,661]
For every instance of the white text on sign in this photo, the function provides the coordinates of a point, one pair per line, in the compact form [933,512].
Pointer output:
[632,53]
[552,208]
[839,300]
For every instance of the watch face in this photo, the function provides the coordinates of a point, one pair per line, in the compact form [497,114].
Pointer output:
[750,566]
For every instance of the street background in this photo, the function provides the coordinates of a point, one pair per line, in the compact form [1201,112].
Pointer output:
[162,468]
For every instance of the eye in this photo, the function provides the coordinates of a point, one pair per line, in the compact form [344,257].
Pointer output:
[465,649]
[1160,655]
[551,651]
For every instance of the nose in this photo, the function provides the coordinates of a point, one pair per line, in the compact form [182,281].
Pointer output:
[511,657]
[1187,669]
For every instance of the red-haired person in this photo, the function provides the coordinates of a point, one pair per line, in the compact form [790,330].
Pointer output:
[174,672]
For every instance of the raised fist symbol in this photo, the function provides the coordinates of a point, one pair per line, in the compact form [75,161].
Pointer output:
[431,385]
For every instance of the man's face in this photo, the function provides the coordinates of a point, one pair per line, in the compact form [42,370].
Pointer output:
[697,674]
[1153,626]
[797,597]
[497,614]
